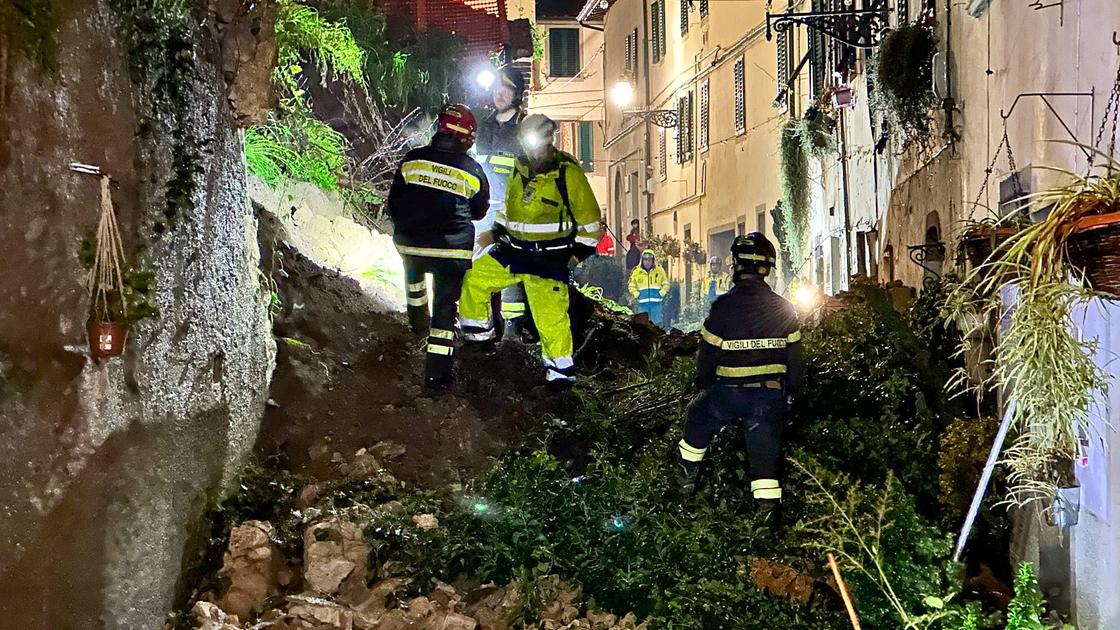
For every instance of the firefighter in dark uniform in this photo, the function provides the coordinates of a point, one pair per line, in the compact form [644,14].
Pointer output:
[436,193]
[497,150]
[749,369]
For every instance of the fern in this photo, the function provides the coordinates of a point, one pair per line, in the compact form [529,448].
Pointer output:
[301,30]
[298,146]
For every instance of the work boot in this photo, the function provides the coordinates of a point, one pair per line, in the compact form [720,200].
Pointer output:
[770,513]
[560,385]
[684,475]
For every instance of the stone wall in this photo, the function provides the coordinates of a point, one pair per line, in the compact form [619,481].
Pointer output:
[105,467]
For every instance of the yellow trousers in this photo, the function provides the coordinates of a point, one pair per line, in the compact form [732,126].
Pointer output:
[548,304]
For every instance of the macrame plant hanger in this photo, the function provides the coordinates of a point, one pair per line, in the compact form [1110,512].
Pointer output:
[105,276]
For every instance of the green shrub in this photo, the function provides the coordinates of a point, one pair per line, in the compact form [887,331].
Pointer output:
[903,70]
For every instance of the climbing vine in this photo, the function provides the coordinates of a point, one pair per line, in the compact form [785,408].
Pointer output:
[793,169]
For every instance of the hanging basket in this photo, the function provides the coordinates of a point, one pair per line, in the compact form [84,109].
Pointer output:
[107,339]
[979,244]
[1094,248]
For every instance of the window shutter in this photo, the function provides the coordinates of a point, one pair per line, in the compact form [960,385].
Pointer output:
[902,9]
[661,28]
[655,34]
[563,46]
[635,54]
[681,128]
[691,122]
[703,9]
[629,60]
[818,69]
[684,17]
[704,98]
[586,145]
[662,157]
[740,97]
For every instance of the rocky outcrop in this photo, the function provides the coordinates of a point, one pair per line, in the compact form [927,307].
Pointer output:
[105,467]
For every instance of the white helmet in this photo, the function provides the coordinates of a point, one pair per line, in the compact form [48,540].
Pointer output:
[536,132]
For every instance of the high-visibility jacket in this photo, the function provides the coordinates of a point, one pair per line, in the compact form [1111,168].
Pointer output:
[548,218]
[751,335]
[716,285]
[496,149]
[435,194]
[649,286]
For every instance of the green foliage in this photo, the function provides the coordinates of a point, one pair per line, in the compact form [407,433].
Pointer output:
[406,68]
[873,397]
[903,70]
[816,130]
[793,173]
[597,294]
[1025,610]
[32,24]
[537,34]
[787,268]
[300,32]
[299,146]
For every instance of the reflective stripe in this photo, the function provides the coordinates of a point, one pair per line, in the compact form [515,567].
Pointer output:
[758,370]
[587,240]
[710,337]
[498,160]
[553,375]
[766,489]
[794,337]
[462,130]
[438,349]
[432,252]
[753,344]
[590,227]
[439,333]
[690,453]
[440,177]
[417,286]
[534,228]
[485,335]
[560,363]
[418,301]
[474,323]
[649,300]
[755,257]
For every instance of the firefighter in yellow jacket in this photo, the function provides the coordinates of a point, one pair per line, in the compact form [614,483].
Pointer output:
[649,284]
[718,282]
[549,224]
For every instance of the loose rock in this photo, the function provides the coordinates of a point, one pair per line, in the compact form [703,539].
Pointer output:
[251,564]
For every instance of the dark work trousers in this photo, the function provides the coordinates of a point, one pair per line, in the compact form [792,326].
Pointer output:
[447,284]
[762,412]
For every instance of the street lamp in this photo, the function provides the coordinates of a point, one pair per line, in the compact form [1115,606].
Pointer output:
[622,93]
[486,78]
[805,296]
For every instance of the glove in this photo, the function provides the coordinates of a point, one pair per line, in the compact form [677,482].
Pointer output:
[485,239]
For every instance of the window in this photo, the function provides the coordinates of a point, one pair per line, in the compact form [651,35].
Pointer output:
[818,66]
[740,98]
[760,218]
[684,127]
[703,9]
[662,159]
[741,226]
[657,29]
[632,52]
[902,10]
[684,17]
[587,145]
[563,51]
[703,139]
[782,74]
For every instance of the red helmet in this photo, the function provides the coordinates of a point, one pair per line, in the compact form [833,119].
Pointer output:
[456,120]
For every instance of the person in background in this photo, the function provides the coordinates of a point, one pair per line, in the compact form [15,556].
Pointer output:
[718,282]
[605,247]
[749,370]
[550,224]
[436,193]
[634,238]
[649,284]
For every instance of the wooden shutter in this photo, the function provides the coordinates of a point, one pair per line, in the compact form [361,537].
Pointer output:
[740,97]
[662,153]
[563,44]
[704,101]
[684,17]
[661,29]
[655,32]
[681,128]
[586,145]
[703,9]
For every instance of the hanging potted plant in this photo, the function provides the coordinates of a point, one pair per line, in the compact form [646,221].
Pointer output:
[1045,368]
[118,296]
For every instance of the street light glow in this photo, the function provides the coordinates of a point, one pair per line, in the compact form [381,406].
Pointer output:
[622,93]
[486,78]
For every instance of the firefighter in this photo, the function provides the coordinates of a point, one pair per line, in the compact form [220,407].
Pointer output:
[749,369]
[436,193]
[550,224]
[498,149]
[718,282]
[649,284]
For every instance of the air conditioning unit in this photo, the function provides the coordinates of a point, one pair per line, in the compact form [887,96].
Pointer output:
[941,75]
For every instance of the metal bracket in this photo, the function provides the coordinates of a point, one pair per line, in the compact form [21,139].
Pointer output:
[866,24]
[666,118]
[1092,94]
[919,254]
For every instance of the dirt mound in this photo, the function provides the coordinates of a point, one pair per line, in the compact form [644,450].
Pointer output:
[349,372]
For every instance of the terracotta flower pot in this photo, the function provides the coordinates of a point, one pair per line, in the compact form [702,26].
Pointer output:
[107,339]
[1094,248]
